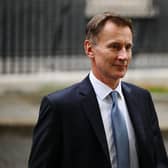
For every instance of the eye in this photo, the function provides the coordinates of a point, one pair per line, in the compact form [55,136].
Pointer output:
[115,46]
[128,47]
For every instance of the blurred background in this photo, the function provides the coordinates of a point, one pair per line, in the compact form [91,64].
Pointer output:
[41,50]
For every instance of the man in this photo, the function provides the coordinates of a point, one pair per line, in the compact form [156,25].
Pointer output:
[76,126]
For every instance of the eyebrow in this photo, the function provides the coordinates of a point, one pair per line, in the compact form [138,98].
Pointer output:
[118,42]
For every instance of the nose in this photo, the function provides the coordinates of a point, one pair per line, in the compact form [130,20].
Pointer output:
[123,54]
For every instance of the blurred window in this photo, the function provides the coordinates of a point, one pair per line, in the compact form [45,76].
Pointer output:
[130,8]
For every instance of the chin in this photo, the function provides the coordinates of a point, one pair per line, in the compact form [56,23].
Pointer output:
[120,75]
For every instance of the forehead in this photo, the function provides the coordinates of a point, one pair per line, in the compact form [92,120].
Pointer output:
[112,31]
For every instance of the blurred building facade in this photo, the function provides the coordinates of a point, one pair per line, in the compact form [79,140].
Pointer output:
[32,32]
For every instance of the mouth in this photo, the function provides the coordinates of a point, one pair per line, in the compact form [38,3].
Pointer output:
[121,67]
[122,64]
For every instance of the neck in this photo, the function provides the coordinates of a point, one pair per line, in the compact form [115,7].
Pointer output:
[112,83]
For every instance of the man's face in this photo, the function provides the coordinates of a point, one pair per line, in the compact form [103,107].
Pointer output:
[112,52]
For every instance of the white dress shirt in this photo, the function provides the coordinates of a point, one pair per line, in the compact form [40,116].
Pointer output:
[105,103]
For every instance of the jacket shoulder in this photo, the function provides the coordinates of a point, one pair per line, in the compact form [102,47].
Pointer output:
[134,88]
[63,94]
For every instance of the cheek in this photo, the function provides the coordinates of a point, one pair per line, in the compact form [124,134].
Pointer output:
[100,57]
[129,58]
[104,59]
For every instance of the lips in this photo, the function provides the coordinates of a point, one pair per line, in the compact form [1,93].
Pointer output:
[122,64]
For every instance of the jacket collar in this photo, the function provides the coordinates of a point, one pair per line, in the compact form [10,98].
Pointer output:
[90,106]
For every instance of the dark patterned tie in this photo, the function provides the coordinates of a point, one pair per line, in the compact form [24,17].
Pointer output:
[120,134]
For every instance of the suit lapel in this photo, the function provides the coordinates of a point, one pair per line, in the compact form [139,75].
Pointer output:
[135,111]
[131,102]
[90,106]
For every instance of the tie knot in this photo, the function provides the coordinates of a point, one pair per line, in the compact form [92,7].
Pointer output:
[114,95]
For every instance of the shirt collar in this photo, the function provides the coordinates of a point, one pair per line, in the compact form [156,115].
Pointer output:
[101,89]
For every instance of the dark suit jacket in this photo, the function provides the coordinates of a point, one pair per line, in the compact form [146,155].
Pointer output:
[70,133]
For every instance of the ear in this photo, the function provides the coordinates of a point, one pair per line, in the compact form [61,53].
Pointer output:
[88,48]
